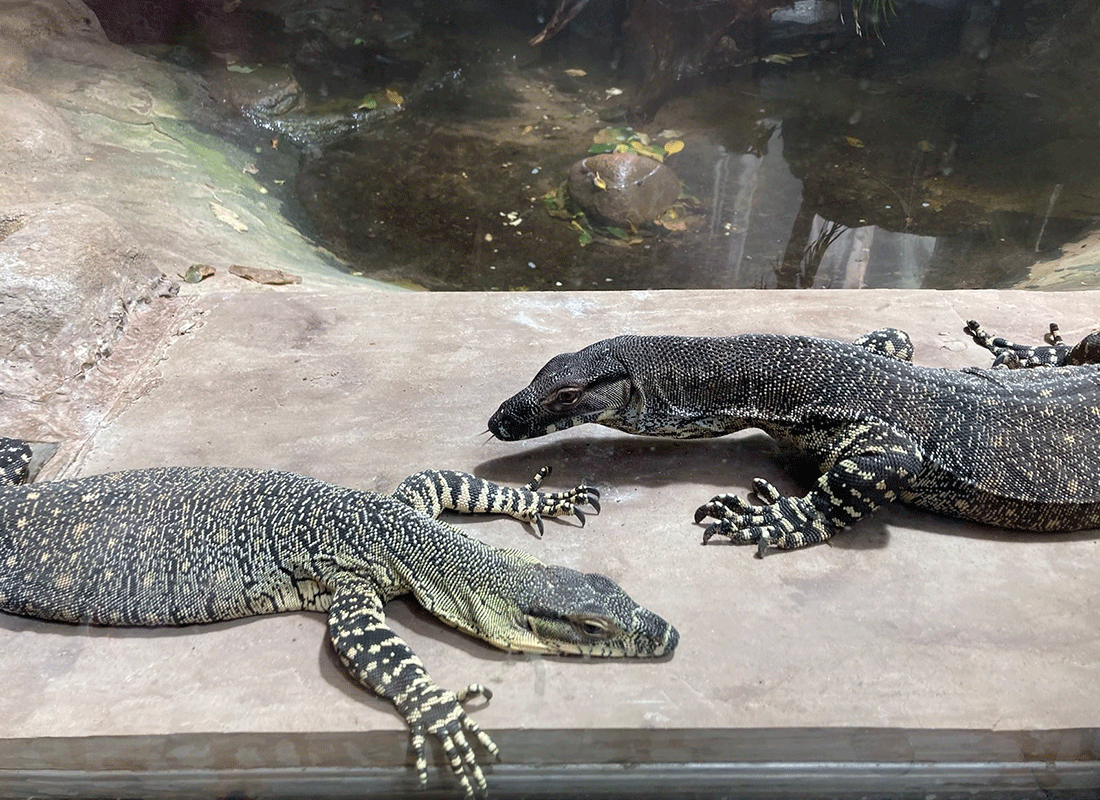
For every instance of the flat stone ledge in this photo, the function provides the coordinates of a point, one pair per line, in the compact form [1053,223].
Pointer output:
[760,763]
[907,622]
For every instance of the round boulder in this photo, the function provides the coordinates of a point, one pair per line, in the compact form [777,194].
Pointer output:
[623,189]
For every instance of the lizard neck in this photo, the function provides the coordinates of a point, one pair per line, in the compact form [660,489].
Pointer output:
[462,581]
[727,385]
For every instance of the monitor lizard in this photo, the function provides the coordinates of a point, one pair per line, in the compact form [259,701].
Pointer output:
[189,545]
[1017,449]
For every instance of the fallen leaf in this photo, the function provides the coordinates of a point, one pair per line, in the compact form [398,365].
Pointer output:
[230,218]
[854,142]
[576,73]
[394,97]
[239,68]
[925,146]
[613,135]
[673,146]
[585,236]
[271,277]
[648,152]
[672,221]
[368,103]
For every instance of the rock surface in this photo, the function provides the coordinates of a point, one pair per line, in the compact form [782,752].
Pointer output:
[69,279]
[109,180]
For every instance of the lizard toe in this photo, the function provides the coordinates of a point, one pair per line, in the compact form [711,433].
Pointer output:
[766,491]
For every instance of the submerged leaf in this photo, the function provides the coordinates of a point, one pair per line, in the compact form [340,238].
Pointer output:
[368,103]
[394,97]
[656,154]
[854,142]
[925,146]
[673,146]
[585,237]
[611,135]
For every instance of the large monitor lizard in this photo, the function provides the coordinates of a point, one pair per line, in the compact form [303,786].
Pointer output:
[180,545]
[1013,448]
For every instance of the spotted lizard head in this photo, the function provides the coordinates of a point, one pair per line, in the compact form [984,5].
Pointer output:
[560,611]
[590,385]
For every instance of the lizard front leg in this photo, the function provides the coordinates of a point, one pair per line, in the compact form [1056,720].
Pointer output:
[874,465]
[434,491]
[380,660]
[1055,354]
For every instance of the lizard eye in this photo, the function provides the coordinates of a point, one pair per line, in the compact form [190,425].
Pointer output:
[595,628]
[567,396]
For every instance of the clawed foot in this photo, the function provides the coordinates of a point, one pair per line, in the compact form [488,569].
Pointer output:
[451,725]
[1009,355]
[785,522]
[556,504]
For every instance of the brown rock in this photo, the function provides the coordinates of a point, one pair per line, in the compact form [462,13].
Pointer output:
[622,189]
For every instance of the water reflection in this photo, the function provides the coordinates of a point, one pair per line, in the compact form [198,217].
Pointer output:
[914,168]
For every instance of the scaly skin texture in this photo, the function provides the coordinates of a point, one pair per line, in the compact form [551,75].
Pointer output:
[1016,449]
[180,546]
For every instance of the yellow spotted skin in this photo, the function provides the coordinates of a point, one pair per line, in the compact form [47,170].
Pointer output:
[1017,449]
[188,545]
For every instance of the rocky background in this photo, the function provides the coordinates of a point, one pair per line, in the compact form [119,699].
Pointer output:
[115,179]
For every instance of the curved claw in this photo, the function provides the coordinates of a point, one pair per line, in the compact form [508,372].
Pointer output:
[579,515]
[762,544]
[538,524]
[711,531]
[700,515]
[594,500]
